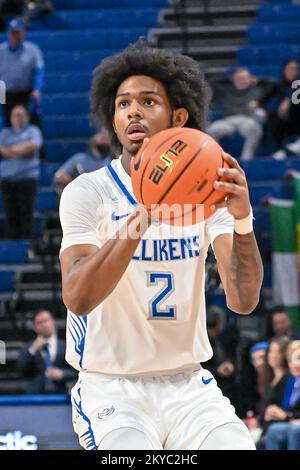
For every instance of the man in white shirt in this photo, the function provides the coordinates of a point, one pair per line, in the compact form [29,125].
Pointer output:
[136,328]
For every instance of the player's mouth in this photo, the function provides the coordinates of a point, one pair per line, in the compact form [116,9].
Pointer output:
[136,132]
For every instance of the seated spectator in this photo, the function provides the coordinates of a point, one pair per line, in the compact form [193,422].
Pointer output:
[284,433]
[241,110]
[221,365]
[97,156]
[258,358]
[281,324]
[276,376]
[285,121]
[19,170]
[42,361]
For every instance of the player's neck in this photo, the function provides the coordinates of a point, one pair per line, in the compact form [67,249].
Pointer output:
[125,160]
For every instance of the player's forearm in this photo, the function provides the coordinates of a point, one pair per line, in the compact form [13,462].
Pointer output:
[93,278]
[245,274]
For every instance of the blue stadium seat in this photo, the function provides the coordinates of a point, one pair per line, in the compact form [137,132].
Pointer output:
[65,103]
[46,200]
[59,150]
[77,4]
[94,19]
[262,190]
[275,13]
[268,168]
[68,82]
[60,126]
[47,173]
[78,40]
[84,40]
[74,60]
[279,33]
[6,281]
[14,252]
[267,71]
[267,55]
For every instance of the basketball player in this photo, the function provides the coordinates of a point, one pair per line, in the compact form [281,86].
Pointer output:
[136,308]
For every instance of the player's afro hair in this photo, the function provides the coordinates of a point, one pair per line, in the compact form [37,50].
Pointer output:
[181,75]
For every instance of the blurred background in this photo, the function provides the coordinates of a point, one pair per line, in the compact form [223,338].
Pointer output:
[250,53]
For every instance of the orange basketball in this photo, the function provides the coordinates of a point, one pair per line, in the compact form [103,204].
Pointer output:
[178,166]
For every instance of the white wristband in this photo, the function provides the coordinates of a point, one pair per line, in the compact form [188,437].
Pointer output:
[244,226]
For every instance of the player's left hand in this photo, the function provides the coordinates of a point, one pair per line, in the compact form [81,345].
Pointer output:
[233,182]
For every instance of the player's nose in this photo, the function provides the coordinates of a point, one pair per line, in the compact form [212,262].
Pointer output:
[134,110]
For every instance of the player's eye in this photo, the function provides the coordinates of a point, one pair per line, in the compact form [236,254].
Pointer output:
[123,104]
[149,102]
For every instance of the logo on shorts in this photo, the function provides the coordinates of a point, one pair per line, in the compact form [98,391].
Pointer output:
[206,381]
[106,412]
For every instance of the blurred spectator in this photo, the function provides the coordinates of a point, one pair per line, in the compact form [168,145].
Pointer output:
[281,324]
[284,434]
[258,358]
[42,361]
[285,121]
[221,365]
[97,156]
[276,372]
[241,111]
[22,70]
[19,172]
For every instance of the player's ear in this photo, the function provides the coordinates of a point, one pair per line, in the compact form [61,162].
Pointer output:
[114,127]
[180,117]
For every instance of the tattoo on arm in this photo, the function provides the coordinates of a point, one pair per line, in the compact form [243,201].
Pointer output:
[246,270]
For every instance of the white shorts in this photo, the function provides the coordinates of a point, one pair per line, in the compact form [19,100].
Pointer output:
[174,412]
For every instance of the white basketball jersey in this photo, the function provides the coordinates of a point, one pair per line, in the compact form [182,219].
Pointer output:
[153,323]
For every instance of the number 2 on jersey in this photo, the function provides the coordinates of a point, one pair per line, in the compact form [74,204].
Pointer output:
[157,310]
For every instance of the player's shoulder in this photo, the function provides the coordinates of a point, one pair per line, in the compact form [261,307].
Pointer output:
[87,186]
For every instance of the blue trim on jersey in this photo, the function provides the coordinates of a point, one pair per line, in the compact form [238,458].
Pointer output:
[78,333]
[90,443]
[75,342]
[79,327]
[121,185]
[76,330]
[82,344]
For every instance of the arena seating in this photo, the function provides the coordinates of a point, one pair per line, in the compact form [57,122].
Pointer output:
[273,39]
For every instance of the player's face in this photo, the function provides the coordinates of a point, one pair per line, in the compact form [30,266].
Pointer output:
[142,108]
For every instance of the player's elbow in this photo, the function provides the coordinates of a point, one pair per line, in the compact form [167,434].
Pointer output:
[244,307]
[75,303]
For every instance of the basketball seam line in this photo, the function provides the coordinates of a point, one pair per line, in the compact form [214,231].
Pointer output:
[180,174]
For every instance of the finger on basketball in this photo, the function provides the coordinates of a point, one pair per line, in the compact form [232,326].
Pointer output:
[227,187]
[232,162]
[231,175]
